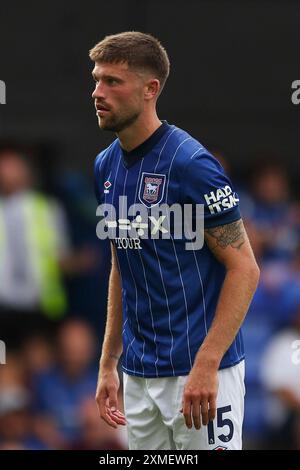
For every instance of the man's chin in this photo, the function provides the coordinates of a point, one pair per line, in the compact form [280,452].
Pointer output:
[114,125]
[104,124]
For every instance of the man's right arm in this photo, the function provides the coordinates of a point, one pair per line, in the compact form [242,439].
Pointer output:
[112,344]
[108,379]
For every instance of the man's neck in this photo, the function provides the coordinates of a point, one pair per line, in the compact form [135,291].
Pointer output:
[138,132]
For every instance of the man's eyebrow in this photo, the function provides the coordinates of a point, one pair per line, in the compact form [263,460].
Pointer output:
[107,76]
[114,77]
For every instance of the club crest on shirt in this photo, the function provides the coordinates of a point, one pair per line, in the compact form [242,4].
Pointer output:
[152,188]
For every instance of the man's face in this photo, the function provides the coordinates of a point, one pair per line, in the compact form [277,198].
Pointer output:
[118,95]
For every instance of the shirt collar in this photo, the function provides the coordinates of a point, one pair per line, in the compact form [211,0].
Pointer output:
[130,158]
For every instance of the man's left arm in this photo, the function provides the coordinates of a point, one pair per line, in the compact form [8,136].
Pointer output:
[230,245]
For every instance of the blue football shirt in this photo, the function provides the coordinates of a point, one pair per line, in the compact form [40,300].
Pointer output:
[169,294]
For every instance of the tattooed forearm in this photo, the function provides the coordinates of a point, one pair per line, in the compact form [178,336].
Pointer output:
[231,234]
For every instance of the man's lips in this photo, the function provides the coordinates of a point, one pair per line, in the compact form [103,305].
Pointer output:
[101,107]
[102,112]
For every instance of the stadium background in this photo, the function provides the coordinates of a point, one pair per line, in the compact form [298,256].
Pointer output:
[232,65]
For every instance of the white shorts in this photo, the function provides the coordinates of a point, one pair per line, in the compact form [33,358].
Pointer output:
[154,421]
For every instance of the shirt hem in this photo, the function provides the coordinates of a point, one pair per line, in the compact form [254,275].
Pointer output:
[148,375]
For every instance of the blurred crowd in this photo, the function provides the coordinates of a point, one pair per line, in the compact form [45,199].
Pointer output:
[47,393]
[53,289]
[52,304]
[272,326]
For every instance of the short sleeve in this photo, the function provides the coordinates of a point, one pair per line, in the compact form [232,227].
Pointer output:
[205,182]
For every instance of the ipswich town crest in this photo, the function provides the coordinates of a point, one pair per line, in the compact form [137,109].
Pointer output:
[151,190]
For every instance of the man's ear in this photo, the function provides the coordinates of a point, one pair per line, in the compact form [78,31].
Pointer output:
[152,89]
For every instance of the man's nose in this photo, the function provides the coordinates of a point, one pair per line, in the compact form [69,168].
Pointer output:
[99,91]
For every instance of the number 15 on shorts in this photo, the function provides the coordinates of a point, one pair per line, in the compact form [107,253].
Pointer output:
[224,435]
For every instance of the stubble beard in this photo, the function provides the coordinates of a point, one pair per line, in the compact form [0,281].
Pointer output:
[118,124]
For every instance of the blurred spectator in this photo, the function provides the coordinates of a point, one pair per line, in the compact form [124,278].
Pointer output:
[35,251]
[16,430]
[59,393]
[13,372]
[280,373]
[275,218]
[33,241]
[37,355]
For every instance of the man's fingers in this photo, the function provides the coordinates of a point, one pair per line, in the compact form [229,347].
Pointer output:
[196,413]
[101,402]
[108,419]
[113,399]
[212,408]
[204,412]
[119,413]
[186,410]
[117,417]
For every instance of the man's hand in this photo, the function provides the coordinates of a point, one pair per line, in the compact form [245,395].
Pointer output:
[200,396]
[107,398]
